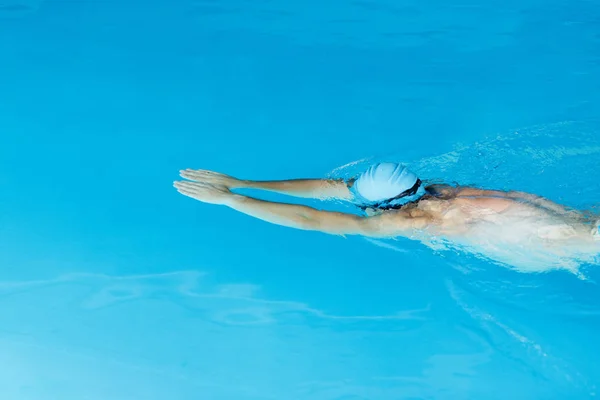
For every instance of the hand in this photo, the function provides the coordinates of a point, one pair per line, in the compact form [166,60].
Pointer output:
[210,177]
[204,192]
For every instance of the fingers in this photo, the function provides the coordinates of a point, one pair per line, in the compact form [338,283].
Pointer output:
[190,189]
[198,187]
[201,175]
[186,184]
[191,186]
[195,175]
[202,191]
[187,193]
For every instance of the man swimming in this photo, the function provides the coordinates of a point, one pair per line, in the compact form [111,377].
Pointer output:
[395,202]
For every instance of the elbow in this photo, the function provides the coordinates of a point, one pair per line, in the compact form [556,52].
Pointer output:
[308,221]
[332,223]
[348,225]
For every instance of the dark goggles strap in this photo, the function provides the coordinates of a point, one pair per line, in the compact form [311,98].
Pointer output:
[386,203]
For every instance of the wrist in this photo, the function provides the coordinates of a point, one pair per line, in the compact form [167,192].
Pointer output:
[233,200]
[242,184]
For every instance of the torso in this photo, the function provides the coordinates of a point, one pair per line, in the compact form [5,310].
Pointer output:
[511,230]
[455,211]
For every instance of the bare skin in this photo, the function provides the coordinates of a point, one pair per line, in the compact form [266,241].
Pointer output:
[454,214]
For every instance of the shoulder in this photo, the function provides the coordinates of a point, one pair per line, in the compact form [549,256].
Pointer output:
[447,192]
[442,191]
[413,217]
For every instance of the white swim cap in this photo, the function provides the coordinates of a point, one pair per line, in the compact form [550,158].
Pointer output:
[384,181]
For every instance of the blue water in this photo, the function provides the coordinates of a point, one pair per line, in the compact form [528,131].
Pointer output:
[114,286]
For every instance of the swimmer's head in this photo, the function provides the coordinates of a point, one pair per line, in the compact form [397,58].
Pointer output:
[387,185]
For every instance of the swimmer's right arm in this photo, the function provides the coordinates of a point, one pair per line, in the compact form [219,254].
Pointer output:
[301,217]
[335,223]
[306,188]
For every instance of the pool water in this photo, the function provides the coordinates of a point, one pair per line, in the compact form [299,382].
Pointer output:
[114,286]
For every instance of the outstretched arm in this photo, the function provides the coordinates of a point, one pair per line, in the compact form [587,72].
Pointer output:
[302,217]
[307,188]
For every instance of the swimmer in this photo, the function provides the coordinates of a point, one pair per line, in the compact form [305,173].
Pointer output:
[394,202]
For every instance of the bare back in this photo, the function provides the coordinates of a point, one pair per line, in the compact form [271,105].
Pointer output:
[526,231]
[464,211]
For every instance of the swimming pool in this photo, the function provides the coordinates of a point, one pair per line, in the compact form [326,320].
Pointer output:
[113,286]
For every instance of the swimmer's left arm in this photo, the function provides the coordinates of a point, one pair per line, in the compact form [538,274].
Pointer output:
[301,217]
[308,188]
